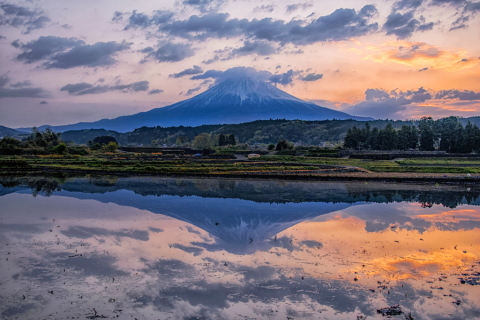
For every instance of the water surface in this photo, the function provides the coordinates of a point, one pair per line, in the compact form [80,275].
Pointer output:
[153,248]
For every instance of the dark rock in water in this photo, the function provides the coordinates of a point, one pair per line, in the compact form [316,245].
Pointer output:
[390,311]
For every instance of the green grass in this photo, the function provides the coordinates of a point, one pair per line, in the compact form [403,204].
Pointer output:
[139,163]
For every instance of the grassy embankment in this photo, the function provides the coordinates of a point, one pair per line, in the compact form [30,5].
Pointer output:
[416,165]
[158,165]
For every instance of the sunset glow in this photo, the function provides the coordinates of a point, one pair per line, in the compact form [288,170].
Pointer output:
[69,62]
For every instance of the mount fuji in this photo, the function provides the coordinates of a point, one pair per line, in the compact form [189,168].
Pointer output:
[229,102]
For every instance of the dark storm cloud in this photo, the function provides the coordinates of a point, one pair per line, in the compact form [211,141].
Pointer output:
[65,53]
[22,17]
[294,7]
[264,8]
[342,24]
[82,88]
[187,72]
[311,77]
[20,89]
[262,48]
[169,52]
[155,91]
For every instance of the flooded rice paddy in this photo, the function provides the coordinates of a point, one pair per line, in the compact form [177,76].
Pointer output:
[154,248]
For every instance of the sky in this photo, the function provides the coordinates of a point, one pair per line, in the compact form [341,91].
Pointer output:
[64,62]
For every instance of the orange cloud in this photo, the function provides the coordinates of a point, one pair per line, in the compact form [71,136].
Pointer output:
[418,55]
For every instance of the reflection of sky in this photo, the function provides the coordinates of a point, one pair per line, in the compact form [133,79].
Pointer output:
[68,255]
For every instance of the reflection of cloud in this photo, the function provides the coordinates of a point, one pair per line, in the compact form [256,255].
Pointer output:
[93,265]
[193,250]
[414,266]
[89,232]
[263,284]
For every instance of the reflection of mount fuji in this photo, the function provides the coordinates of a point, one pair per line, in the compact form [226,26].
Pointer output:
[240,213]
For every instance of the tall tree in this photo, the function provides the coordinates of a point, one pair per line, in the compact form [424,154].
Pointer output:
[427,135]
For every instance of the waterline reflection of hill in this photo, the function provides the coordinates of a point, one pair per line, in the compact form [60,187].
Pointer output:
[243,214]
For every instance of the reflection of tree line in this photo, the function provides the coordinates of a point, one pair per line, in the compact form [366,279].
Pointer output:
[427,198]
[258,191]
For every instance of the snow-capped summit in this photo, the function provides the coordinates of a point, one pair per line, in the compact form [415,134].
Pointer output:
[231,101]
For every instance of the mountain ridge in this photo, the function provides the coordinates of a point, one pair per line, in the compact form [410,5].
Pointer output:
[229,102]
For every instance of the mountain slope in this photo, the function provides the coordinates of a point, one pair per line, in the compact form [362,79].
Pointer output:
[8,132]
[231,101]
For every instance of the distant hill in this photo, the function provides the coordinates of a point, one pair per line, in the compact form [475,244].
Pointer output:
[9,132]
[229,102]
[261,131]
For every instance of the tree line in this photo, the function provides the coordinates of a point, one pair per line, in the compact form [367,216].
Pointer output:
[446,134]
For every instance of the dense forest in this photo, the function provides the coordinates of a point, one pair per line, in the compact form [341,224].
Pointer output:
[452,134]
[256,132]
[447,134]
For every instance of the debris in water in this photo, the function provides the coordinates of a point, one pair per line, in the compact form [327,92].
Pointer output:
[390,311]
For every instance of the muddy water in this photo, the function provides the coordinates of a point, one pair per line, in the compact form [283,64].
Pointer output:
[151,248]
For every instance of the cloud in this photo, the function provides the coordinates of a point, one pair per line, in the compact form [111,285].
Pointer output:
[18,17]
[205,5]
[155,91]
[264,8]
[465,10]
[311,77]
[423,69]
[261,48]
[391,104]
[402,22]
[20,89]
[192,91]
[82,88]
[283,78]
[99,54]
[140,20]
[386,105]
[457,94]
[169,52]
[44,47]
[66,53]
[26,83]
[187,72]
[407,4]
[294,7]
[419,54]
[342,24]
[234,74]
[43,102]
